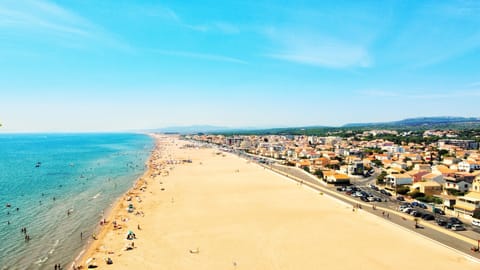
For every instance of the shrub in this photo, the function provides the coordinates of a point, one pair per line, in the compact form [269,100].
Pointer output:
[455,192]
[416,194]
[403,190]
[319,173]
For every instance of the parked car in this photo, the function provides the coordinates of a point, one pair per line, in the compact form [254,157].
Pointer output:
[428,216]
[421,205]
[384,192]
[441,222]
[407,210]
[457,227]
[455,220]
[416,213]
[400,198]
[438,211]
[476,222]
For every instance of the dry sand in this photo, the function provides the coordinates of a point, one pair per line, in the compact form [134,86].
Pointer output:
[222,212]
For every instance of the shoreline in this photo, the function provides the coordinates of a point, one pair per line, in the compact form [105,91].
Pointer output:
[102,228]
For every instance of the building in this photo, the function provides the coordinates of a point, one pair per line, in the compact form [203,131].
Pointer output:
[336,178]
[423,167]
[417,175]
[433,177]
[476,184]
[465,144]
[355,168]
[467,204]
[442,169]
[427,188]
[457,184]
[468,166]
[394,180]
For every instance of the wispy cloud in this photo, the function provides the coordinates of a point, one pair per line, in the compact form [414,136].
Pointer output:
[316,50]
[44,19]
[421,94]
[474,84]
[201,56]
[221,27]
[169,14]
[378,93]
[436,33]
[226,28]
[449,95]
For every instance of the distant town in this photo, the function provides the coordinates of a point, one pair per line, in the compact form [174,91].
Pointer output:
[437,167]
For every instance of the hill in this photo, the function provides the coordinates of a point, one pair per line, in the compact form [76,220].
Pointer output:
[430,122]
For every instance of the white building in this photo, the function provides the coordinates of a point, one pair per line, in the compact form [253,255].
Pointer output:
[394,180]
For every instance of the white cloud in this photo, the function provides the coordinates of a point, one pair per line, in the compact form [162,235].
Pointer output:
[46,20]
[323,51]
[378,93]
[474,84]
[421,94]
[449,95]
[226,28]
[201,56]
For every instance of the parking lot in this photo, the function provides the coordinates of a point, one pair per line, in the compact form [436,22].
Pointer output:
[384,198]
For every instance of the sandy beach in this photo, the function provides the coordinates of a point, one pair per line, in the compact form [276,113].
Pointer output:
[223,212]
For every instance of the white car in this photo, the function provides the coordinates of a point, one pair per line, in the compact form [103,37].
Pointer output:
[476,222]
[457,227]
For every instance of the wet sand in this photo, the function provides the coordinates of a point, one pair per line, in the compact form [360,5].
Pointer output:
[222,212]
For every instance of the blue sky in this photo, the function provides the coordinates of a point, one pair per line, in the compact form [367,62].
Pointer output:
[84,65]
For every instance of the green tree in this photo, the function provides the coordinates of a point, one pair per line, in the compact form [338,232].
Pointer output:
[377,163]
[403,190]
[319,173]
[416,194]
[476,213]
[381,177]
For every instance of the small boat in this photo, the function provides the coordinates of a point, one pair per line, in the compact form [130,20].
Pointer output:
[8,205]
[38,164]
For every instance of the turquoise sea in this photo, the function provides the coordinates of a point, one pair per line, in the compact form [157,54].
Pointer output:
[43,177]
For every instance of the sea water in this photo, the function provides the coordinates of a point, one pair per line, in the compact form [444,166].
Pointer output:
[57,186]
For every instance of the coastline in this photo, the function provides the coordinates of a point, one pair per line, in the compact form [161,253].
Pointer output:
[102,228]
